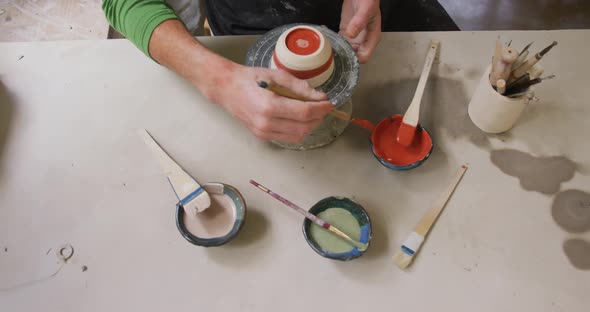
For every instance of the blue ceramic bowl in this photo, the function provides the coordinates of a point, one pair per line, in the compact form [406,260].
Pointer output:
[240,205]
[401,168]
[356,210]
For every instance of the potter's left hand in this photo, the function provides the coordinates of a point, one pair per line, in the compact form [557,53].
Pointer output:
[360,24]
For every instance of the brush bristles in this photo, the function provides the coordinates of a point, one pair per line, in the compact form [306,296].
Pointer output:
[402,259]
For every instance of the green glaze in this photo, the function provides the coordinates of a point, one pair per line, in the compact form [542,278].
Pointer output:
[342,220]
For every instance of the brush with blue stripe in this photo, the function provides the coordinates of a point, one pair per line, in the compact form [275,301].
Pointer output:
[403,257]
[192,197]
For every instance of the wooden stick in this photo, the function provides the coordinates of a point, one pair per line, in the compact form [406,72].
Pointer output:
[282,91]
[430,217]
[495,59]
[501,86]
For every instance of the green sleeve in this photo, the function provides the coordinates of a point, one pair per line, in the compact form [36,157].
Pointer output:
[137,19]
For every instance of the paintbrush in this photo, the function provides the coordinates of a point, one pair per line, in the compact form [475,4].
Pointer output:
[528,93]
[501,86]
[410,247]
[522,69]
[527,84]
[313,218]
[536,71]
[521,56]
[519,60]
[193,198]
[282,91]
[521,80]
[407,128]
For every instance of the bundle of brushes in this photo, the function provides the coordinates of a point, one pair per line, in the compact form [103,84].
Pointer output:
[513,73]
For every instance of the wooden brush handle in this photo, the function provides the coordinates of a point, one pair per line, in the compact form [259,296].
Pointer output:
[282,91]
[167,163]
[413,113]
[430,217]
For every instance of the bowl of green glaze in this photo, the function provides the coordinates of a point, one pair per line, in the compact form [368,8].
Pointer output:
[344,214]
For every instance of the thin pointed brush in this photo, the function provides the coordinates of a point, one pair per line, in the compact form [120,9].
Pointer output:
[313,218]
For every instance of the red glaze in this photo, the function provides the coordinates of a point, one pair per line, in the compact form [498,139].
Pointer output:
[385,145]
[303,41]
[363,123]
[405,134]
[303,74]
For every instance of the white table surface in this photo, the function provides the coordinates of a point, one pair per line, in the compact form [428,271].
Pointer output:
[72,170]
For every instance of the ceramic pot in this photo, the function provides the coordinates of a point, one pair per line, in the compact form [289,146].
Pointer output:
[304,52]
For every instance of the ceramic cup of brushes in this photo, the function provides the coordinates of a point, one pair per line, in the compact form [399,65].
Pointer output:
[493,112]
[506,88]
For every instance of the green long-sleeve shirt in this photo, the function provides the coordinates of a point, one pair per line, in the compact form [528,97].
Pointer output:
[137,19]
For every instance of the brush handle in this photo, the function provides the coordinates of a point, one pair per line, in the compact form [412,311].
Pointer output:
[413,112]
[521,58]
[300,210]
[166,162]
[346,237]
[522,69]
[289,94]
[430,217]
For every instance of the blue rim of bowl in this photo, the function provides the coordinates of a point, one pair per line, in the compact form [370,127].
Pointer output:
[356,210]
[240,203]
[404,167]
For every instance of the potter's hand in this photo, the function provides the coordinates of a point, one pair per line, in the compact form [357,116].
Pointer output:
[234,86]
[360,24]
[268,115]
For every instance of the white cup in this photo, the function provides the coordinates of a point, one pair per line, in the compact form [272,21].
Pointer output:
[492,112]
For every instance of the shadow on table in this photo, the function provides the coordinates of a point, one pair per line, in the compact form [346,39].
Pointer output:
[6,114]
[242,249]
[443,109]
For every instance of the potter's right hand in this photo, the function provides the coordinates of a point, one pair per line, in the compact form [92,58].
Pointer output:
[234,86]
[268,115]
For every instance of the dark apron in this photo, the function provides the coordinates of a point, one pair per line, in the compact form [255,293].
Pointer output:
[249,17]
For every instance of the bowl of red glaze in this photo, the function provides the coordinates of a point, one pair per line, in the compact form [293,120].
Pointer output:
[394,155]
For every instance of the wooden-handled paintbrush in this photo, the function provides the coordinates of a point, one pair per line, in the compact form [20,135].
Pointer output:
[313,218]
[282,91]
[410,247]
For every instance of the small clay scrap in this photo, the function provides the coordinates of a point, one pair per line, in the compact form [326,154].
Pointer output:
[539,174]
[578,252]
[571,211]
